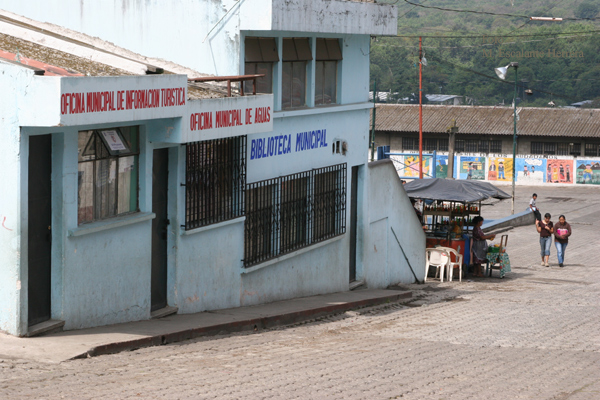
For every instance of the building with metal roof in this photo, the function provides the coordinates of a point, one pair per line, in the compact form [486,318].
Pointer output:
[571,135]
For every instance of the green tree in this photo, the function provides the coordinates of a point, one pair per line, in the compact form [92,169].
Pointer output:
[587,9]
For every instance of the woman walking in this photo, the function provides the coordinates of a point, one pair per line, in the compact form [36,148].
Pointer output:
[562,231]
[545,228]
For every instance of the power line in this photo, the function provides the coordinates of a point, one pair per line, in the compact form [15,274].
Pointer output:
[483,44]
[441,60]
[493,36]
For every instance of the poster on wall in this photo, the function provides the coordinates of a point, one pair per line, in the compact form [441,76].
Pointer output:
[559,171]
[410,168]
[441,167]
[531,170]
[588,172]
[472,168]
[500,169]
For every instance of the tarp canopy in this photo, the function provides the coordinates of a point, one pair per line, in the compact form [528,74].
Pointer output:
[466,191]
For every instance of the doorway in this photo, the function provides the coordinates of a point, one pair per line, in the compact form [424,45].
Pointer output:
[39,223]
[160,183]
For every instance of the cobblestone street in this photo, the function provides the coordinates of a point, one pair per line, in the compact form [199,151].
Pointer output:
[533,335]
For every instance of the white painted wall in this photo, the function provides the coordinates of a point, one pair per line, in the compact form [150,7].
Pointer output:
[13,288]
[390,208]
[205,35]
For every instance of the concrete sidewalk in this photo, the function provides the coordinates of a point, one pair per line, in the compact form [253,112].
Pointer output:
[91,342]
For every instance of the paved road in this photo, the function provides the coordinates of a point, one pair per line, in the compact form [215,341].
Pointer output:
[532,335]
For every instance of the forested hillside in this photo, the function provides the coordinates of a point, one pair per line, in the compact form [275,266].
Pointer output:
[558,61]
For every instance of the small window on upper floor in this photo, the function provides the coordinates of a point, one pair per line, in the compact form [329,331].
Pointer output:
[327,57]
[296,54]
[260,55]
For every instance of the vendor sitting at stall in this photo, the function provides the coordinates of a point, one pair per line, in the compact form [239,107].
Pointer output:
[480,246]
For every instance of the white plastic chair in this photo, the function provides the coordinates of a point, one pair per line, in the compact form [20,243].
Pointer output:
[436,257]
[458,260]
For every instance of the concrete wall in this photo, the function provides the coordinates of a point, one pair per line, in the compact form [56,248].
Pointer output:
[390,208]
[13,283]
[205,35]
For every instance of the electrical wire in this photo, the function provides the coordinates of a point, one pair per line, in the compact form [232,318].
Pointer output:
[442,61]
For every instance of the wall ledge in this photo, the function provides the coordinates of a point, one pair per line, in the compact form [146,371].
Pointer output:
[112,223]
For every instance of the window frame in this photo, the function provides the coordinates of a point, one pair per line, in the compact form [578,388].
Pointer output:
[103,159]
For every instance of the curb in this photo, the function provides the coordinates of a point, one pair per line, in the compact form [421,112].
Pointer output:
[253,324]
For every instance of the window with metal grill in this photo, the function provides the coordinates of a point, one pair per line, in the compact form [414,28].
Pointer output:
[459,146]
[495,146]
[410,143]
[550,148]
[537,148]
[215,181]
[562,149]
[471,145]
[484,146]
[575,149]
[430,145]
[591,149]
[443,144]
[107,173]
[294,211]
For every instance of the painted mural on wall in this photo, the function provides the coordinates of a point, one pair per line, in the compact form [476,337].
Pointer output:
[559,171]
[441,166]
[588,172]
[531,170]
[472,168]
[409,167]
[500,169]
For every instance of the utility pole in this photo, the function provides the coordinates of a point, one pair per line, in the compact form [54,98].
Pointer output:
[452,130]
[421,110]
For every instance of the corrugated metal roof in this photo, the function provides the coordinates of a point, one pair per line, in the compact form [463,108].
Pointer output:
[532,121]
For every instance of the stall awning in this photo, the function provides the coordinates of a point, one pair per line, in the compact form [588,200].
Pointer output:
[466,191]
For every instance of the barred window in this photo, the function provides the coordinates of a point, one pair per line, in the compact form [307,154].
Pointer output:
[484,146]
[591,149]
[459,146]
[575,149]
[550,148]
[410,143]
[260,200]
[471,145]
[495,146]
[537,148]
[430,145]
[562,149]
[443,144]
[215,181]
[107,173]
[328,201]
[294,195]
[294,211]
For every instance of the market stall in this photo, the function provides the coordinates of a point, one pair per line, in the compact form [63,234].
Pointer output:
[448,207]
